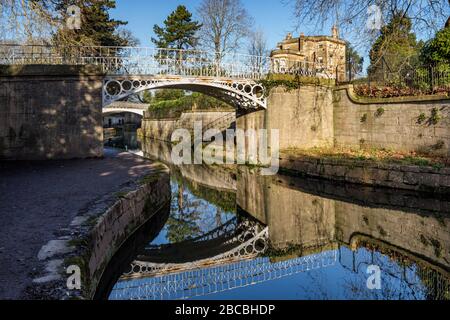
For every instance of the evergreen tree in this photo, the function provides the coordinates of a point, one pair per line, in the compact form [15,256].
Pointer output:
[97,27]
[179,30]
[354,62]
[437,50]
[394,47]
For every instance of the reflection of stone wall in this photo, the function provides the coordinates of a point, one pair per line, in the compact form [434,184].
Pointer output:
[157,150]
[50,112]
[217,177]
[298,218]
[251,195]
[422,235]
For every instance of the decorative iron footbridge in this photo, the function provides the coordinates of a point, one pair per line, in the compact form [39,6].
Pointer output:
[231,77]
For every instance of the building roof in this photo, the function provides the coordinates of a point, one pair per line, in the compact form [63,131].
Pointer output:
[312,38]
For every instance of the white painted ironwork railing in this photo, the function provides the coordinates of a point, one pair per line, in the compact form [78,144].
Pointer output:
[219,278]
[155,61]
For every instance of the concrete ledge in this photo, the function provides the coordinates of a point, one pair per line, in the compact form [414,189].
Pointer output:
[416,178]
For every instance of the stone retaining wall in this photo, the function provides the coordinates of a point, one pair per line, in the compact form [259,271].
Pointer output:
[385,175]
[402,124]
[50,112]
[162,129]
[120,221]
[304,117]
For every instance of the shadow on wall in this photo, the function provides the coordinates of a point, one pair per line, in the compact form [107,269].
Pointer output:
[50,112]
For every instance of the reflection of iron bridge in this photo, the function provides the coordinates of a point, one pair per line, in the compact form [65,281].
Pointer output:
[239,266]
[210,280]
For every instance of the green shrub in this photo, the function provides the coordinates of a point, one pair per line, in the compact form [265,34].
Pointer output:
[379,112]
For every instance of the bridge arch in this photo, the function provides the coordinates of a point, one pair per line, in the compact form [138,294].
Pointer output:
[111,111]
[245,95]
[124,107]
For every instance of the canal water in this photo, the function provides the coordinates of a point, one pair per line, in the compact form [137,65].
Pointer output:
[230,233]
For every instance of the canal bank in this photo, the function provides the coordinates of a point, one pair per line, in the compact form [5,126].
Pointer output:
[51,212]
[427,177]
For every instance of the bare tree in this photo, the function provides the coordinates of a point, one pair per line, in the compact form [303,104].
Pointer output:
[25,21]
[352,16]
[225,24]
[258,49]
[447,24]
[128,37]
[258,44]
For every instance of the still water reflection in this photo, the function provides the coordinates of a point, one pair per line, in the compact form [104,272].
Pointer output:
[230,233]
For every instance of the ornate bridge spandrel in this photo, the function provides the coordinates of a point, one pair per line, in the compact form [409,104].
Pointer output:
[242,94]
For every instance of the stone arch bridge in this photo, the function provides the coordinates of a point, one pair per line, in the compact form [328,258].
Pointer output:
[125,106]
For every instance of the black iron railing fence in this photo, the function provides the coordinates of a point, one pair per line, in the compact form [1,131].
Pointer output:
[402,76]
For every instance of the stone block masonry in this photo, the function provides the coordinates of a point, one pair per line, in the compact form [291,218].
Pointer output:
[321,116]
[162,129]
[420,124]
[304,116]
[383,175]
[50,112]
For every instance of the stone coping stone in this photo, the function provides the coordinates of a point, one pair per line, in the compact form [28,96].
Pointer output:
[394,100]
[50,70]
[407,177]
[365,164]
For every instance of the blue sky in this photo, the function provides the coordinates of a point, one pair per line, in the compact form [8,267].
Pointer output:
[274,17]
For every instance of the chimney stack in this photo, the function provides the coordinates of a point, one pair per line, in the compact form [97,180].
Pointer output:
[301,41]
[335,32]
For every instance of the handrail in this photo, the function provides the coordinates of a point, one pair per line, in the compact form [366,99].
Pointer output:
[157,61]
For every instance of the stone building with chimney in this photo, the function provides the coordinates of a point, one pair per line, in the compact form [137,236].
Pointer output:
[320,55]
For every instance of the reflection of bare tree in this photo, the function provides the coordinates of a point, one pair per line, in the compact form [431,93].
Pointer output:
[320,290]
[320,222]
[180,197]
[191,215]
[218,217]
[401,278]
[182,223]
